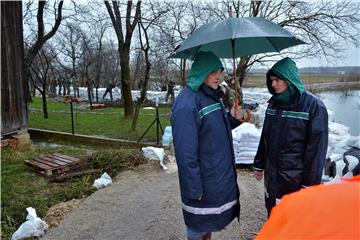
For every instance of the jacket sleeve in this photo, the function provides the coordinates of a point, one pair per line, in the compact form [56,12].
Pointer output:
[259,161]
[185,126]
[233,121]
[315,152]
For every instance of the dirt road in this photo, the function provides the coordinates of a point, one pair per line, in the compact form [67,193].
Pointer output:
[145,204]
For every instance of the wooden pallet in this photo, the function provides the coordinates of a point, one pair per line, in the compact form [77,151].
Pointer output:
[55,164]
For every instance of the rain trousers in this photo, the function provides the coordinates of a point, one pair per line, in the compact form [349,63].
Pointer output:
[294,139]
[204,151]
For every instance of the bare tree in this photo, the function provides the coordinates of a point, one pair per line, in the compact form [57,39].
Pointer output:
[124,43]
[40,72]
[89,59]
[323,25]
[111,65]
[144,24]
[70,47]
[41,37]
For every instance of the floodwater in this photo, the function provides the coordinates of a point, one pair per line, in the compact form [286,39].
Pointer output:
[345,106]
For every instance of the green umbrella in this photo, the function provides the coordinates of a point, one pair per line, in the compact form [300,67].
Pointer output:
[236,37]
[245,36]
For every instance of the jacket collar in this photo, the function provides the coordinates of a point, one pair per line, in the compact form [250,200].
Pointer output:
[297,98]
[215,94]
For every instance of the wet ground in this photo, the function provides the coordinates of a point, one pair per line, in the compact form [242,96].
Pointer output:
[145,204]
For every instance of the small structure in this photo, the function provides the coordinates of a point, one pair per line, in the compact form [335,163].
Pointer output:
[55,164]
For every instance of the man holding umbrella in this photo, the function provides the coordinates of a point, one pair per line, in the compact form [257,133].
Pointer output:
[204,151]
[201,126]
[294,138]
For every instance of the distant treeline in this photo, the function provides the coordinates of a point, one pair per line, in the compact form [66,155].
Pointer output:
[320,70]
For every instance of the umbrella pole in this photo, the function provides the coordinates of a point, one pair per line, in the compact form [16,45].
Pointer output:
[236,100]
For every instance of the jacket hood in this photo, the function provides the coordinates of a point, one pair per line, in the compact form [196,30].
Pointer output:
[287,70]
[204,63]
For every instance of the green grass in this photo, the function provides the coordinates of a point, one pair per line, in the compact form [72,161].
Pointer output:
[108,122]
[21,187]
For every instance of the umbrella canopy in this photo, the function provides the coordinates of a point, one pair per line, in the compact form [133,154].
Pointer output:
[252,35]
[319,212]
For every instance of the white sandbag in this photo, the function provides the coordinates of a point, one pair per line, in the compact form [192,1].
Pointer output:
[33,227]
[259,115]
[244,160]
[246,130]
[353,141]
[338,129]
[335,157]
[254,144]
[241,148]
[154,153]
[103,181]
[246,139]
[353,162]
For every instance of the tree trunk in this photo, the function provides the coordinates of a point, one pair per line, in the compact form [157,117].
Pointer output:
[124,48]
[241,73]
[125,84]
[89,96]
[97,94]
[183,71]
[44,103]
[143,93]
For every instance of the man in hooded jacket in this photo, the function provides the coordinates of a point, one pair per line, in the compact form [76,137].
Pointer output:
[204,151]
[294,139]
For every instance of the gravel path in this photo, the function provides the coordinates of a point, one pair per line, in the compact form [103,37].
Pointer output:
[145,204]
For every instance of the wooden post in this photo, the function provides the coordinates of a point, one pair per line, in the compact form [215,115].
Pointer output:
[13,101]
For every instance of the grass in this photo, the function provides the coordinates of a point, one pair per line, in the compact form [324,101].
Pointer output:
[21,187]
[108,122]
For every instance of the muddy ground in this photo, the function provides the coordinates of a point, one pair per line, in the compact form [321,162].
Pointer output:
[145,204]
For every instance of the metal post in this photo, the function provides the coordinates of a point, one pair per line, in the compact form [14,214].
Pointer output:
[72,117]
[157,125]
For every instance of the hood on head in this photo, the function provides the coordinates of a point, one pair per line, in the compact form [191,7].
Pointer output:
[286,70]
[204,63]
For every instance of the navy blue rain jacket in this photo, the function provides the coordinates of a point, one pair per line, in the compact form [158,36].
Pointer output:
[294,139]
[204,151]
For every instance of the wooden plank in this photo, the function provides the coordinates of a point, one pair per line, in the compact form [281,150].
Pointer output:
[51,160]
[38,164]
[61,159]
[46,162]
[67,157]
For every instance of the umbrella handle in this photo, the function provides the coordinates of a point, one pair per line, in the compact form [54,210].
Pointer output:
[236,100]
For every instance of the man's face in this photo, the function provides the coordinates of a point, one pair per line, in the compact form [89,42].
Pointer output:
[278,84]
[214,78]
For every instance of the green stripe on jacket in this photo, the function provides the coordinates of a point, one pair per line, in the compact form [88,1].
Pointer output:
[291,114]
[206,110]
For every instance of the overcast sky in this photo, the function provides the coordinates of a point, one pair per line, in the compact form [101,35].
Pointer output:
[352,59]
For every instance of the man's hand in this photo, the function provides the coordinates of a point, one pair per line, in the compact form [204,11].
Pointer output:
[258,175]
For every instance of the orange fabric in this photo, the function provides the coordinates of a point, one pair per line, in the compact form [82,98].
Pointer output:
[329,211]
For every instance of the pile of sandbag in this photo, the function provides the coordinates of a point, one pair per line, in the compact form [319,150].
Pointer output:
[246,139]
[343,155]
